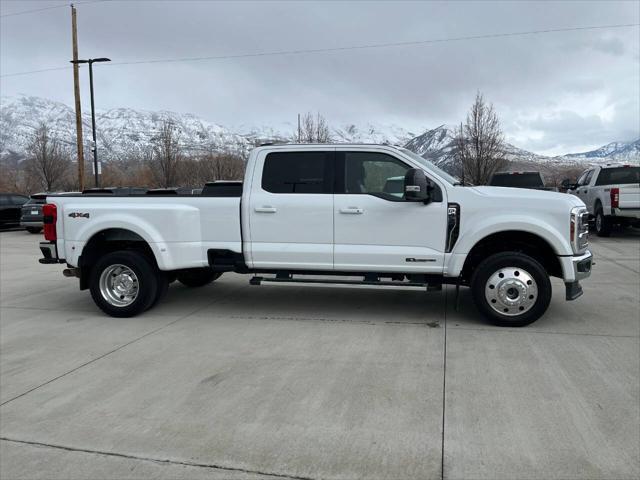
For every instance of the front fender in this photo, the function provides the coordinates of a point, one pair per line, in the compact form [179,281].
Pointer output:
[483,228]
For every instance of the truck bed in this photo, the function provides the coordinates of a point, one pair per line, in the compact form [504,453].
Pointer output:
[629,197]
[180,229]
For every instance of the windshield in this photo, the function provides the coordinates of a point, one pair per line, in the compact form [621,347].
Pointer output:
[431,167]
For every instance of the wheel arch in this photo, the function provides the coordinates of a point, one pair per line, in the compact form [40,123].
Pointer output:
[595,205]
[512,241]
[111,240]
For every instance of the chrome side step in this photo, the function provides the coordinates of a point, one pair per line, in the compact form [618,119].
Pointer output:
[284,278]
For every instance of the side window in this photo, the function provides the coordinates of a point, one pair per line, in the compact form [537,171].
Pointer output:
[585,178]
[4,200]
[374,173]
[298,172]
[588,178]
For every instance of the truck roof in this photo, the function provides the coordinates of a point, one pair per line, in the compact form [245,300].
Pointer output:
[618,165]
[317,146]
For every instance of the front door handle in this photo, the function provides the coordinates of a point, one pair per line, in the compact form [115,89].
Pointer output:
[266,209]
[352,210]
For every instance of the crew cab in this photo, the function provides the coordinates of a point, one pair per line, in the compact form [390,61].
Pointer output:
[330,214]
[611,194]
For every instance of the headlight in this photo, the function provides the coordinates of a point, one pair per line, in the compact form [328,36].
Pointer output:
[579,229]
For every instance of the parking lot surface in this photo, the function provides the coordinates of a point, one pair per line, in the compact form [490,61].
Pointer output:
[245,382]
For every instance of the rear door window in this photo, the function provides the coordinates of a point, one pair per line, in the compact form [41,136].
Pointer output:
[619,176]
[298,172]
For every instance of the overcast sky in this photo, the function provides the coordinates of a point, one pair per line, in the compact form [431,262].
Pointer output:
[555,93]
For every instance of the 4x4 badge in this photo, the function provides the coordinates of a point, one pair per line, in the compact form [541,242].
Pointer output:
[79,214]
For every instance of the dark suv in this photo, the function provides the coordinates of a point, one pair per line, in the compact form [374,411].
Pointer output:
[10,205]
[31,217]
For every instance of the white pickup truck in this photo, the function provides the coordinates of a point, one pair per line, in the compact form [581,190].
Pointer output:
[330,214]
[611,194]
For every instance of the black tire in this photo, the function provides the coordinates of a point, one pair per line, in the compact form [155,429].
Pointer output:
[163,288]
[523,267]
[197,277]
[34,229]
[603,224]
[146,280]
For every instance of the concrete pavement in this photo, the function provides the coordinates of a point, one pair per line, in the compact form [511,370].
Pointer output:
[236,381]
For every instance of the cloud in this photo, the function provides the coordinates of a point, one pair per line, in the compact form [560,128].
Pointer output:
[526,77]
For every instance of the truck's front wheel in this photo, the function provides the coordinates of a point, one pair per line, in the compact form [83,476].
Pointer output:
[123,283]
[511,289]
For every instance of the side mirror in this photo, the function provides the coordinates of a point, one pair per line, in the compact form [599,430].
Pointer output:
[416,186]
[567,185]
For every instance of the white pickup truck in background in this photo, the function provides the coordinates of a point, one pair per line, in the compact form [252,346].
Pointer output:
[326,214]
[611,194]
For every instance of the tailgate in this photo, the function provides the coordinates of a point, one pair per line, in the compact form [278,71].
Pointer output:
[629,196]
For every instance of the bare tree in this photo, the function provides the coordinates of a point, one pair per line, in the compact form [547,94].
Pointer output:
[479,145]
[314,130]
[220,166]
[164,156]
[47,163]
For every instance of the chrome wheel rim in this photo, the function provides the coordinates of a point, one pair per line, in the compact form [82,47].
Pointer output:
[511,291]
[119,285]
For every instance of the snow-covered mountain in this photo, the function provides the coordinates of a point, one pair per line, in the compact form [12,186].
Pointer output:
[612,152]
[125,132]
[437,145]
[122,132]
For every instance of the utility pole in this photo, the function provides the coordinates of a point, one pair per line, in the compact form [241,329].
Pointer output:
[463,154]
[299,134]
[76,92]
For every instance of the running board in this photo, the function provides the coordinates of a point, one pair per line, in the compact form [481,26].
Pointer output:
[380,283]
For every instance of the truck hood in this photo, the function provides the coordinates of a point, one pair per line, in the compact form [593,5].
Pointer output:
[527,194]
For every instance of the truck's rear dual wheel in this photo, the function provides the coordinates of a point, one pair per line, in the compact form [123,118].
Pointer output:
[197,277]
[511,289]
[124,283]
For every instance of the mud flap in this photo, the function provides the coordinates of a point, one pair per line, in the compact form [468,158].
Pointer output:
[573,290]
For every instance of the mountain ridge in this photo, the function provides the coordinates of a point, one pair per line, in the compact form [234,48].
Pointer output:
[124,132]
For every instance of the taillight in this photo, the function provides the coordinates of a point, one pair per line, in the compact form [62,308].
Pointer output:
[615,197]
[50,217]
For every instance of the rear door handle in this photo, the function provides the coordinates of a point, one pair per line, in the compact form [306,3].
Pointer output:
[266,209]
[352,210]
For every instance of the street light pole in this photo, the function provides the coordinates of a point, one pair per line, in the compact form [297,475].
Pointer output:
[91,61]
[93,126]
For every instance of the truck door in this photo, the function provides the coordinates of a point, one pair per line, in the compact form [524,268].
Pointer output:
[291,210]
[583,189]
[375,228]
